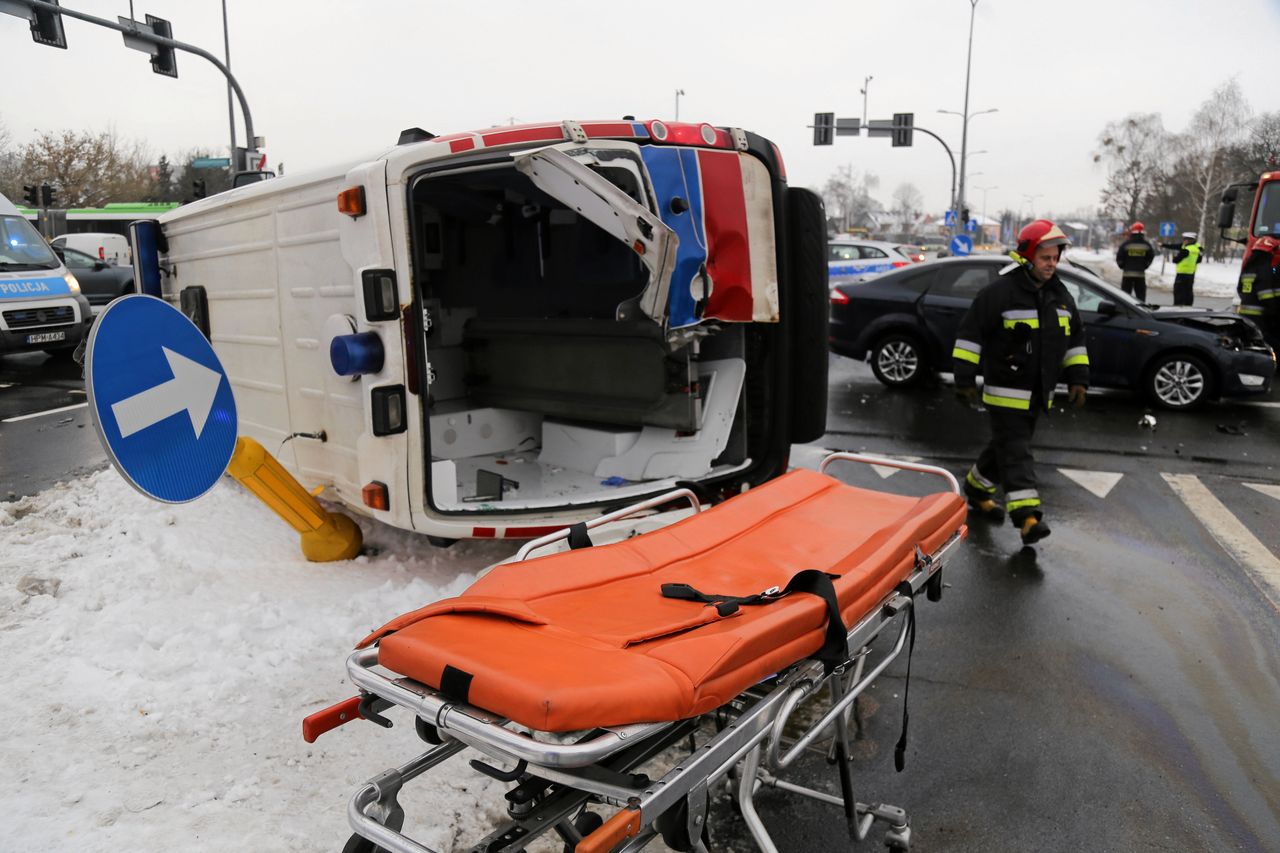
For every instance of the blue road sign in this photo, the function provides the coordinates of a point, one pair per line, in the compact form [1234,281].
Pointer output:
[211,162]
[1168,229]
[949,218]
[971,226]
[161,401]
[961,245]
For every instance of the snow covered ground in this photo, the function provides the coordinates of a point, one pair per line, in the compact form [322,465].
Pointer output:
[161,659]
[1213,278]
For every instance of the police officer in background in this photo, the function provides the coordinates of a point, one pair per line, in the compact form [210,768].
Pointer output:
[1259,288]
[1187,257]
[1133,257]
[1023,333]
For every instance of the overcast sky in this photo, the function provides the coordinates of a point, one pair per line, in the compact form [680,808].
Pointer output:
[334,81]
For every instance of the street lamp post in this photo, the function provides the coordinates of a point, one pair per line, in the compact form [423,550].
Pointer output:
[231,113]
[964,130]
[679,92]
[866,85]
[985,190]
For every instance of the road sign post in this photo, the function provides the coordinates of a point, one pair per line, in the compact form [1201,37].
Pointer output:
[161,402]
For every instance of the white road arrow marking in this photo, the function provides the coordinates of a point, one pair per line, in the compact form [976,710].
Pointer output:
[1266,489]
[886,471]
[1099,483]
[191,389]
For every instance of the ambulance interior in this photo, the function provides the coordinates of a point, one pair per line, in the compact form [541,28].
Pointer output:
[550,386]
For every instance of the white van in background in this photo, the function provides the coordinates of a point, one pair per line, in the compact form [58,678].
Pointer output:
[41,307]
[113,248]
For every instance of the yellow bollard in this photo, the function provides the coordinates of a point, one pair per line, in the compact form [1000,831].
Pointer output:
[326,536]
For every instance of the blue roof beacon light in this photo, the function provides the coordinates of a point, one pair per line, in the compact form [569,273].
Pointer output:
[356,355]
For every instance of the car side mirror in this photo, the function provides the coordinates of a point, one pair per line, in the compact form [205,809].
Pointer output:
[99,265]
[1107,309]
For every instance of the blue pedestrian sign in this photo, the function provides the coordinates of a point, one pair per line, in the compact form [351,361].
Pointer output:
[1168,229]
[949,218]
[961,245]
[160,399]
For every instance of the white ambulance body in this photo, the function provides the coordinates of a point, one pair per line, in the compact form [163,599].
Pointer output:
[499,333]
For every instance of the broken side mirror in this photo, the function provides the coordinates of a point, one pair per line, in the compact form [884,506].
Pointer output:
[1107,309]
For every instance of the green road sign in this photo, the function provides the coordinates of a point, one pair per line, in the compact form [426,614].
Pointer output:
[211,162]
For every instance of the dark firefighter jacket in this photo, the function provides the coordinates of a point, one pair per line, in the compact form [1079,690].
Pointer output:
[1023,340]
[1135,255]
[1259,287]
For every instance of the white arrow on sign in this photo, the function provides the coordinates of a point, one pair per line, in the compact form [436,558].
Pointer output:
[191,389]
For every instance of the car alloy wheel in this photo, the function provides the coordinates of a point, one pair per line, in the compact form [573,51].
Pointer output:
[896,361]
[1179,382]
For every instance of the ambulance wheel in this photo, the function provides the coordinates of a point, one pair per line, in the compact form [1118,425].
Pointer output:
[809,306]
[898,360]
[1179,381]
[586,823]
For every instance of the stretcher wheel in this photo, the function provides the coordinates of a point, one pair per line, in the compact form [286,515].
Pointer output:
[427,732]
[586,823]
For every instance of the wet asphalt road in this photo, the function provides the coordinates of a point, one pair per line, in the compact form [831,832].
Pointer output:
[1117,689]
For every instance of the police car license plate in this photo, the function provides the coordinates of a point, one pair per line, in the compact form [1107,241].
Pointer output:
[46,337]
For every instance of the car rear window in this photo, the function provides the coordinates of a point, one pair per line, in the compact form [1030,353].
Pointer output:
[873,252]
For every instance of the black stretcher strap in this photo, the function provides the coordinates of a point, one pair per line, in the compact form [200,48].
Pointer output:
[835,647]
[578,537]
[455,683]
[900,750]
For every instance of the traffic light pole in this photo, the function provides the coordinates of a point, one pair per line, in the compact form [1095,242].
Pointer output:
[132,31]
[917,128]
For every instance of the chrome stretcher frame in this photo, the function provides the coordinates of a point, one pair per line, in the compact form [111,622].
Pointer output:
[554,781]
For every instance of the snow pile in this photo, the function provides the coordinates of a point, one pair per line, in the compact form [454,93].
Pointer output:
[1213,278]
[161,659]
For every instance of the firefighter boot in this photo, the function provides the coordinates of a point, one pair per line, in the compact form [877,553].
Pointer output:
[1034,529]
[981,497]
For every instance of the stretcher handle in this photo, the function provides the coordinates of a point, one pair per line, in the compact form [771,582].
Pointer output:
[892,463]
[651,503]
[623,825]
[330,718]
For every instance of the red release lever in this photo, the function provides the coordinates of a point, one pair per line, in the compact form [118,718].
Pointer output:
[330,718]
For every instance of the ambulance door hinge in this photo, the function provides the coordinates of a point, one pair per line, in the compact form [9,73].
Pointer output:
[426,321]
[431,374]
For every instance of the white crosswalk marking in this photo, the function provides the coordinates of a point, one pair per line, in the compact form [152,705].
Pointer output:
[1266,489]
[1099,483]
[886,471]
[1233,536]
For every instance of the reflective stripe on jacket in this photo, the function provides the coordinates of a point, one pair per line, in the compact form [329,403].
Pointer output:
[1023,339]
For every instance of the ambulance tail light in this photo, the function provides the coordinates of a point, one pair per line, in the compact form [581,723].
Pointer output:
[374,495]
[387,405]
[682,133]
[381,298]
[351,202]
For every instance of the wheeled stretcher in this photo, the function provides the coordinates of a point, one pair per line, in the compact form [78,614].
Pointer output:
[641,674]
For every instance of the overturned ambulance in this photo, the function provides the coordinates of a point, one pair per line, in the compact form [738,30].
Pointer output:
[499,333]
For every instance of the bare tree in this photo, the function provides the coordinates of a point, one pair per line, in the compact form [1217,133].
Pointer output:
[1133,149]
[847,195]
[10,184]
[87,169]
[906,204]
[1260,150]
[1218,125]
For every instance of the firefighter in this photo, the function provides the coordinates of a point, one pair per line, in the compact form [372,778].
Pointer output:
[1259,288]
[1133,257]
[1022,333]
[1187,257]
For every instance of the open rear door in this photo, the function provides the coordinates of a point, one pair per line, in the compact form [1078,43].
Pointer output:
[594,197]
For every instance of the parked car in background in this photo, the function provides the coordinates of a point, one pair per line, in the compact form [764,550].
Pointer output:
[852,260]
[914,253]
[100,281]
[905,324]
[112,248]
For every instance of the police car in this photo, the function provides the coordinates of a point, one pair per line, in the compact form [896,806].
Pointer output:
[41,307]
[850,260]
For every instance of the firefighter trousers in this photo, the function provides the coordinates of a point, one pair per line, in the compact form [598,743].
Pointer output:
[1182,286]
[1135,285]
[1007,461]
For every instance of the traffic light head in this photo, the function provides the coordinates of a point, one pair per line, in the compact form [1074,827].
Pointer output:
[164,60]
[197,188]
[31,195]
[46,195]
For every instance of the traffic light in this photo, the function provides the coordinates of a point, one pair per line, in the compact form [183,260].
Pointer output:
[31,195]
[164,60]
[46,195]
[903,128]
[964,216]
[197,188]
[824,128]
[46,27]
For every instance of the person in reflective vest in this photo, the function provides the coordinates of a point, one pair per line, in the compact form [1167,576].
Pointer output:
[1023,334]
[1187,257]
[1259,288]
[1133,257]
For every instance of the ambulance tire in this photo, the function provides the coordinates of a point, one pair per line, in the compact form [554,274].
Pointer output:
[808,303]
[585,823]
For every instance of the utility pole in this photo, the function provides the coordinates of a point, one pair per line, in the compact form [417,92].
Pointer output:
[964,130]
[866,85]
[679,92]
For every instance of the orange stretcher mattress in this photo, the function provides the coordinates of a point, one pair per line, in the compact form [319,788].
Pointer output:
[584,638]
